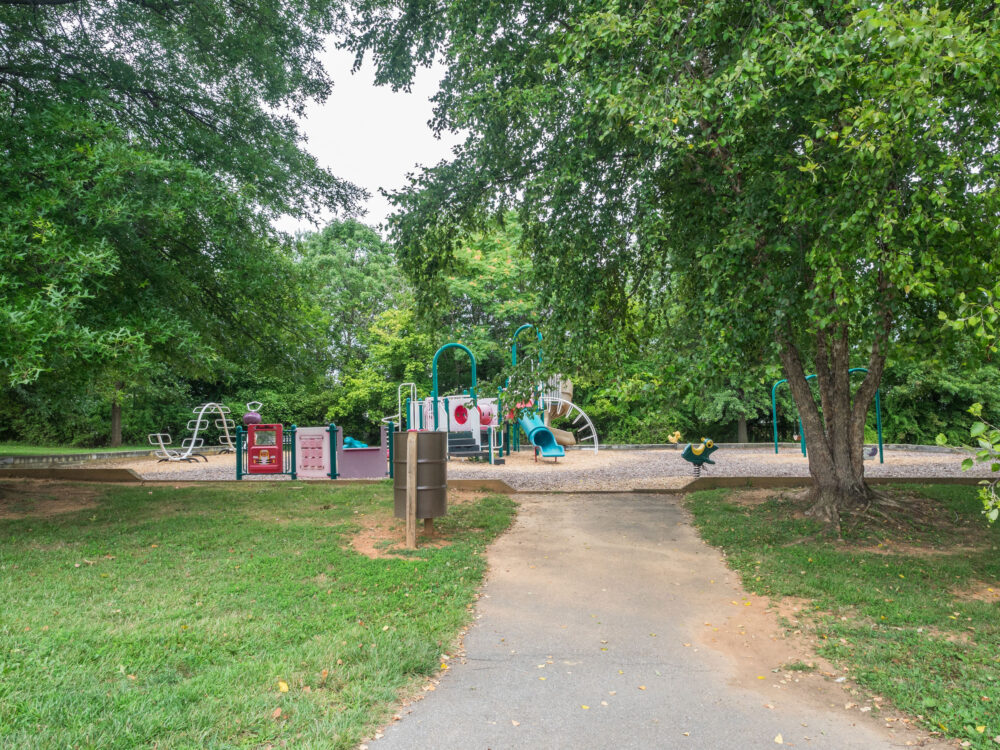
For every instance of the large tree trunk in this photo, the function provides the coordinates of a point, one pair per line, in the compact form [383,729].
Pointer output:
[741,430]
[116,418]
[835,436]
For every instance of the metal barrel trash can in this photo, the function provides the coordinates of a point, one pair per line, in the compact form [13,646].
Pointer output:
[432,474]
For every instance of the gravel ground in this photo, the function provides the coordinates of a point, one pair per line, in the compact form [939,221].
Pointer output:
[607,470]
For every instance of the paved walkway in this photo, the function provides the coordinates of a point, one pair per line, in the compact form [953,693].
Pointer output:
[595,631]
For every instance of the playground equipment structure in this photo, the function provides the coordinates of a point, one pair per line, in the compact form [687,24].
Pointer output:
[312,453]
[482,428]
[191,444]
[802,434]
[698,455]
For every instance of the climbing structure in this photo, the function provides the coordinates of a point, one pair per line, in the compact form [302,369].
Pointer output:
[190,445]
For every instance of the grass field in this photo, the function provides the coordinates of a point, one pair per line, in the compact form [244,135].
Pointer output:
[25,449]
[219,617]
[909,603]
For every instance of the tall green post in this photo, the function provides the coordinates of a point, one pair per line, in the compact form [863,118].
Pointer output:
[239,452]
[332,429]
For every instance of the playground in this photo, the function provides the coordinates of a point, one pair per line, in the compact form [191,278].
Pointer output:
[608,469]
[604,608]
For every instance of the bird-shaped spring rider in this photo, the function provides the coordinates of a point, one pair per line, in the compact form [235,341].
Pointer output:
[699,454]
[675,438]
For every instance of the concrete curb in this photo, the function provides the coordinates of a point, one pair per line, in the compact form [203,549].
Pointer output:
[127,476]
[41,462]
[112,476]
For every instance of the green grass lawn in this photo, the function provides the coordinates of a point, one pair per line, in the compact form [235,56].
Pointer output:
[218,617]
[25,449]
[908,603]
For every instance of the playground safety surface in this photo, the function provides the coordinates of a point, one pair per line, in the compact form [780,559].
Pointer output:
[608,470]
[606,622]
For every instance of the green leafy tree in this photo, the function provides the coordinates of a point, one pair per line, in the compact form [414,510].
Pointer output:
[354,278]
[146,147]
[980,314]
[817,175]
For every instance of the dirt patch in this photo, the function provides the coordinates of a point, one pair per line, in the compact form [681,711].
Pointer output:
[34,498]
[384,536]
[979,592]
[889,547]
[781,662]
[751,498]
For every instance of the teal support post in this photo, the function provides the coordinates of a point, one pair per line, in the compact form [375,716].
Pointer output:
[293,467]
[239,452]
[332,429]
[434,374]
[391,441]
[774,411]
[406,417]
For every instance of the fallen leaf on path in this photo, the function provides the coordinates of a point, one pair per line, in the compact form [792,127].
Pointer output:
[282,686]
[515,723]
[276,713]
[642,687]
[585,708]
[778,740]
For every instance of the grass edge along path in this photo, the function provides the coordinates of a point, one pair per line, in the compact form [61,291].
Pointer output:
[222,617]
[28,449]
[909,604]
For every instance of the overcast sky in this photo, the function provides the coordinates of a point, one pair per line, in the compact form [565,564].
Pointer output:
[371,136]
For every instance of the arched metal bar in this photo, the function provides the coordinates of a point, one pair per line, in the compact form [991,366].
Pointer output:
[434,374]
[513,346]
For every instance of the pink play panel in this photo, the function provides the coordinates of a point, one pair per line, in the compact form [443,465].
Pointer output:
[312,452]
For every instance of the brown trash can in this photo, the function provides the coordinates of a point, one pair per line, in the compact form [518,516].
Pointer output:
[432,474]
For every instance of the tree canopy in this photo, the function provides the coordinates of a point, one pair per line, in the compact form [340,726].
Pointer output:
[146,147]
[818,176]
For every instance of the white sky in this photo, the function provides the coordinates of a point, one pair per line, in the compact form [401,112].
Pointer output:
[371,136]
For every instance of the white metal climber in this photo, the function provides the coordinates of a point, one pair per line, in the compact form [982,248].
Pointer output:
[191,444]
[567,409]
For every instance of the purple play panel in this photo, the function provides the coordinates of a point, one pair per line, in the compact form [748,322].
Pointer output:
[362,463]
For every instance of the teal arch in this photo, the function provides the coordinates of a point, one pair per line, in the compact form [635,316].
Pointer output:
[434,374]
[513,346]
[802,434]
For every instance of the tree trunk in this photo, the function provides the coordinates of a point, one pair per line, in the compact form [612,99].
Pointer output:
[741,430]
[835,437]
[116,418]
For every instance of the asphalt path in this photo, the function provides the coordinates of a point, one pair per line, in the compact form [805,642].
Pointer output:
[599,626]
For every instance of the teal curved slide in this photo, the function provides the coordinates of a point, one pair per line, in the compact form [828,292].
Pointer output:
[540,435]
